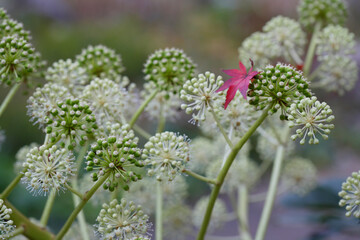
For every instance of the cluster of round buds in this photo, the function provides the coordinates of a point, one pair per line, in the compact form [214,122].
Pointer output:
[43,100]
[100,61]
[277,88]
[350,195]
[219,215]
[167,153]
[70,121]
[68,74]
[335,40]
[6,224]
[117,154]
[21,156]
[300,175]
[260,48]
[338,74]
[287,34]
[164,104]
[324,11]
[9,27]
[169,68]
[312,117]
[48,169]
[124,220]
[16,59]
[107,99]
[202,95]
[176,222]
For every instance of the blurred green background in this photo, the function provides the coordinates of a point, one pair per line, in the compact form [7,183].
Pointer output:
[210,32]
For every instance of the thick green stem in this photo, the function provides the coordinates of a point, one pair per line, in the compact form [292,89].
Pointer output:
[8,98]
[224,171]
[141,108]
[222,130]
[198,176]
[243,198]
[159,203]
[31,230]
[80,206]
[48,206]
[311,50]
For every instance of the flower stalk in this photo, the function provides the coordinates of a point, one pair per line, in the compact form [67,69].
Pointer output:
[8,98]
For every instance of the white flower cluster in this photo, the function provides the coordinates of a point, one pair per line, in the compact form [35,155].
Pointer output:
[350,195]
[6,224]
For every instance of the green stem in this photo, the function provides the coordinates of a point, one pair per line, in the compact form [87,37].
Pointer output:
[141,131]
[162,121]
[31,230]
[82,220]
[14,233]
[8,98]
[141,108]
[80,206]
[48,206]
[270,198]
[198,176]
[222,130]
[259,197]
[159,203]
[74,190]
[224,171]
[243,204]
[311,50]
[12,185]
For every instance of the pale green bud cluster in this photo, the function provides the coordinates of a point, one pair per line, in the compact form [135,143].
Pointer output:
[277,87]
[21,156]
[68,74]
[312,117]
[70,121]
[75,232]
[6,224]
[323,11]
[169,68]
[300,175]
[202,95]
[124,220]
[48,169]
[118,154]
[10,27]
[100,61]
[350,195]
[167,154]
[177,224]
[288,37]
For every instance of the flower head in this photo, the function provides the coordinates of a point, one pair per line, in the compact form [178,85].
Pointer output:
[117,153]
[176,222]
[70,121]
[312,117]
[48,169]
[202,92]
[21,156]
[124,220]
[166,153]
[10,26]
[169,68]
[6,224]
[240,80]
[350,195]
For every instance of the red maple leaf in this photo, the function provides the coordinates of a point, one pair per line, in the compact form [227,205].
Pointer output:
[240,80]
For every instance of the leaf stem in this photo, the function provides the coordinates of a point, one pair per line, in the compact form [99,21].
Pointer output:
[141,108]
[8,98]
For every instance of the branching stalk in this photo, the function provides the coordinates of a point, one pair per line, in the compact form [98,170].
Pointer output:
[141,108]
[8,98]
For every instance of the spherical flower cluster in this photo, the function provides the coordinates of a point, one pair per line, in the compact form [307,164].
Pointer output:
[21,156]
[71,121]
[124,220]
[167,154]
[43,100]
[201,92]
[48,169]
[164,104]
[117,153]
[333,41]
[300,175]
[260,48]
[16,59]
[176,222]
[287,34]
[68,74]
[313,117]
[277,87]
[350,195]
[107,99]
[219,214]
[169,68]
[338,74]
[324,11]
[10,26]
[100,61]
[6,224]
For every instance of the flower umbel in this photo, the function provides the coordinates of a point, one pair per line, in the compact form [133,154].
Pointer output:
[350,195]
[120,221]
[6,224]
[240,80]
[313,117]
